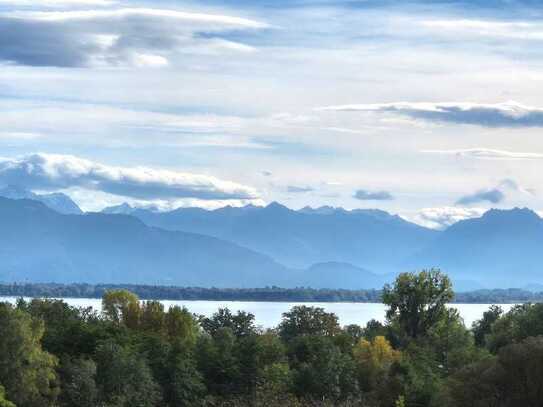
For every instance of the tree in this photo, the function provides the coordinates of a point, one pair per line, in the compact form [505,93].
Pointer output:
[511,379]
[374,360]
[124,378]
[121,307]
[322,371]
[69,330]
[241,324]
[218,361]
[184,385]
[302,321]
[78,382]
[451,343]
[521,322]
[483,327]
[181,325]
[3,401]
[26,371]
[152,317]
[416,302]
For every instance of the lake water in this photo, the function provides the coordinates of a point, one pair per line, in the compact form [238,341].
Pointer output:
[268,314]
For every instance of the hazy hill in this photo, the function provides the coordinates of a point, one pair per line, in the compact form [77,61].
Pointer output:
[371,239]
[503,248]
[39,244]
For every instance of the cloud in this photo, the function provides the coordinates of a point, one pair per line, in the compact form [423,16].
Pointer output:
[52,172]
[507,114]
[58,3]
[266,173]
[491,195]
[116,37]
[521,30]
[443,217]
[364,195]
[19,135]
[494,195]
[487,153]
[297,190]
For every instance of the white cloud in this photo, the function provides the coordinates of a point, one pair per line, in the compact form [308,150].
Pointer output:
[19,136]
[148,60]
[123,13]
[53,172]
[488,153]
[57,3]
[506,114]
[443,217]
[522,30]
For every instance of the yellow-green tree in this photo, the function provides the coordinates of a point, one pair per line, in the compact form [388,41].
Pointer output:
[122,307]
[27,372]
[374,360]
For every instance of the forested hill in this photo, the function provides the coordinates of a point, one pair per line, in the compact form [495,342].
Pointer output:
[268,294]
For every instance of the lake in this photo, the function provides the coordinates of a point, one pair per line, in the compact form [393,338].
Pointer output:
[268,314]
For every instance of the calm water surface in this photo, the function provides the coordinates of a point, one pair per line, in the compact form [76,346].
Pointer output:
[268,314]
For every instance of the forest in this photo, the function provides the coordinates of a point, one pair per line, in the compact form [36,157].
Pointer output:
[268,294]
[137,353]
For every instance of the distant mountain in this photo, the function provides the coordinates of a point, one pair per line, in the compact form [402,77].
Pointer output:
[342,275]
[40,245]
[57,201]
[122,209]
[503,248]
[371,239]
[322,248]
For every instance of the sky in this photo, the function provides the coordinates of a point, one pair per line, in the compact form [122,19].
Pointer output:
[427,109]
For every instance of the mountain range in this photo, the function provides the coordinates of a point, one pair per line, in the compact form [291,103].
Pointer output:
[258,246]
[299,239]
[57,201]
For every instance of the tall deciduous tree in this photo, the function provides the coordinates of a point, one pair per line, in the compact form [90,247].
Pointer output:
[416,302]
[302,321]
[121,307]
[26,371]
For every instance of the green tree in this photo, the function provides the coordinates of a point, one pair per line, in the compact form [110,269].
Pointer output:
[520,322]
[26,371]
[240,324]
[322,371]
[124,378]
[511,379]
[219,363]
[483,327]
[416,302]
[3,401]
[303,321]
[181,325]
[185,384]
[78,385]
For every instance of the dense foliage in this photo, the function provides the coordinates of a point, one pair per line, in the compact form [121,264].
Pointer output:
[137,353]
[268,294]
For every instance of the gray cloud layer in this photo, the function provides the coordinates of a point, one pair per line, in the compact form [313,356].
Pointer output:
[296,189]
[508,114]
[126,36]
[492,195]
[53,172]
[364,195]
